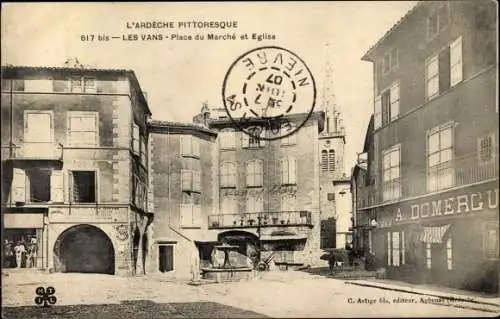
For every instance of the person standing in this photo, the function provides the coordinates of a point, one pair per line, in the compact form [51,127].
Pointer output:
[19,251]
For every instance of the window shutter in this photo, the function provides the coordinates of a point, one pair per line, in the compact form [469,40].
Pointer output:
[185,147]
[196,147]
[245,140]
[196,181]
[57,186]
[135,138]
[378,112]
[186,180]
[197,215]
[258,172]
[248,173]
[456,71]
[394,101]
[292,170]
[186,218]
[284,171]
[18,185]
[232,174]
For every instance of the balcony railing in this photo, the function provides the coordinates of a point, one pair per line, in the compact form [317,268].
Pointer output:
[262,219]
[461,171]
[36,150]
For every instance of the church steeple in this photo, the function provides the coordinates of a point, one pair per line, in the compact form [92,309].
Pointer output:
[333,122]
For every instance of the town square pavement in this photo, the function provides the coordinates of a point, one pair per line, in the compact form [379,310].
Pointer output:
[274,294]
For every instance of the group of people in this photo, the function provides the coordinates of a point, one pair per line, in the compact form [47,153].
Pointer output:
[21,253]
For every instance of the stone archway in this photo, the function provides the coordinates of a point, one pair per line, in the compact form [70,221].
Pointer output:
[247,242]
[84,249]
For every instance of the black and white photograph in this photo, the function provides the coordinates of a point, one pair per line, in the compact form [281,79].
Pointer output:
[323,159]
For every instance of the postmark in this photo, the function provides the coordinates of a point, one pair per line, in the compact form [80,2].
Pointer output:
[264,87]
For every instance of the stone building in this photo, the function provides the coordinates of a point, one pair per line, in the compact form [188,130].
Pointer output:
[432,193]
[184,176]
[260,195]
[74,146]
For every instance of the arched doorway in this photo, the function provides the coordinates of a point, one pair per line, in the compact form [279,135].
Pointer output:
[84,249]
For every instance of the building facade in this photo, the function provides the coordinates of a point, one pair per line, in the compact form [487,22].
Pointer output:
[74,170]
[184,176]
[433,173]
[260,195]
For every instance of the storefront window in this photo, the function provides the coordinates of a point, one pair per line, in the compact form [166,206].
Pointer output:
[22,248]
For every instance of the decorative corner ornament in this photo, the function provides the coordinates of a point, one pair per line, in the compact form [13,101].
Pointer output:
[122,232]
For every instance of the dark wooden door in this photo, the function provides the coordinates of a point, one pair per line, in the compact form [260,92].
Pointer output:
[166,255]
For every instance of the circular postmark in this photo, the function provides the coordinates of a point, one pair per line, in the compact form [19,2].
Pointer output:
[263,87]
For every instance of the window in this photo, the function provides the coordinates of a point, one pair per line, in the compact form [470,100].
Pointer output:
[432,77]
[331,196]
[229,205]
[444,70]
[136,133]
[83,128]
[391,173]
[386,66]
[190,146]
[82,84]
[449,260]
[252,140]
[190,181]
[485,148]
[395,249]
[331,160]
[18,186]
[437,20]
[292,138]
[253,171]
[288,171]
[39,189]
[428,255]
[491,240]
[143,150]
[255,204]
[227,140]
[83,186]
[288,203]
[439,157]
[387,105]
[190,210]
[165,258]
[324,160]
[456,62]
[394,58]
[228,174]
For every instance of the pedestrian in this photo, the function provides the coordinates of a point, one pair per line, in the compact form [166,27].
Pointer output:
[19,251]
[331,261]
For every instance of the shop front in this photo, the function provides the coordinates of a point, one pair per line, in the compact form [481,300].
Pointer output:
[24,240]
[450,238]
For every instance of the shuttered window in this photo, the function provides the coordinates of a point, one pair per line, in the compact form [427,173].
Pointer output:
[288,171]
[228,174]
[83,128]
[253,171]
[18,192]
[324,160]
[190,146]
[57,186]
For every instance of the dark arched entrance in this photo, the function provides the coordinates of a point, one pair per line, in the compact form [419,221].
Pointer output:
[248,243]
[84,249]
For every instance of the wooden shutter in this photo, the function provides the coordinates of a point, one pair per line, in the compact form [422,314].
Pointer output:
[378,112]
[248,174]
[186,212]
[232,169]
[57,187]
[135,138]
[186,180]
[245,140]
[195,147]
[394,98]
[197,215]
[456,67]
[292,170]
[258,173]
[196,181]
[18,192]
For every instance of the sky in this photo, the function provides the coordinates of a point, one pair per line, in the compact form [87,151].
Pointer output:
[179,75]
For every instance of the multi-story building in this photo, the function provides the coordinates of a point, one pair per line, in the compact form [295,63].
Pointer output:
[184,175]
[214,183]
[432,193]
[74,169]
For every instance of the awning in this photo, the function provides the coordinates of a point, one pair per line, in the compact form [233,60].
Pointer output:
[433,235]
[289,237]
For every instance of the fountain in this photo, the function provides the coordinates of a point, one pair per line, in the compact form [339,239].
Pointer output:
[226,271]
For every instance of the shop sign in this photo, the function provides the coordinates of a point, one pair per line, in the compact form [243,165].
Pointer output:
[464,203]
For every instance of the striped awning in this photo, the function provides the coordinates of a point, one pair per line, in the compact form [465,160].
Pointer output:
[433,235]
